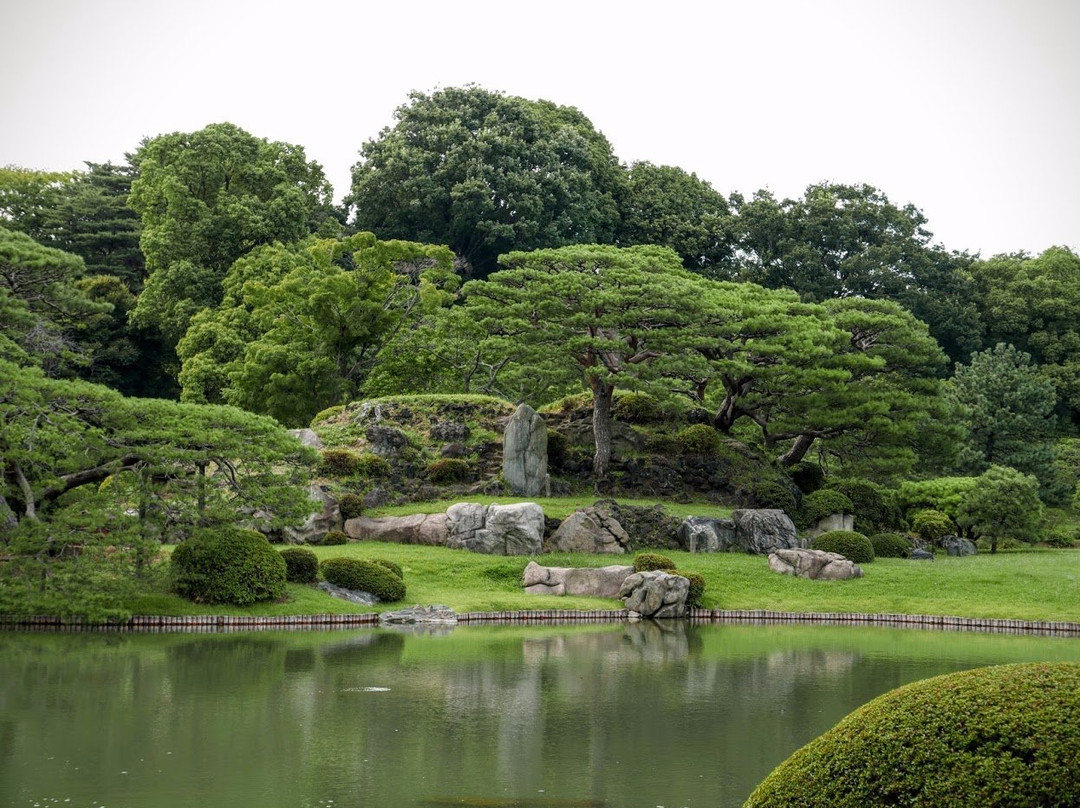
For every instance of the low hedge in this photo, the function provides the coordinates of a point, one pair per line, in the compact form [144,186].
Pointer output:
[891,545]
[998,736]
[647,562]
[851,545]
[301,565]
[361,575]
[227,565]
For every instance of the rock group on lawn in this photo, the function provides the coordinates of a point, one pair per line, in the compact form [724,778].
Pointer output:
[817,565]
[655,594]
[596,582]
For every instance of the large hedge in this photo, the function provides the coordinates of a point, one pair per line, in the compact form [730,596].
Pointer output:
[999,736]
[228,565]
[851,545]
[361,575]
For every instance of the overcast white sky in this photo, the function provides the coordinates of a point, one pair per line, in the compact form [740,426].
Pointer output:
[970,109]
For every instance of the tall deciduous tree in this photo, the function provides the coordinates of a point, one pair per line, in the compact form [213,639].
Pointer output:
[301,326]
[205,199]
[484,173]
[665,205]
[614,314]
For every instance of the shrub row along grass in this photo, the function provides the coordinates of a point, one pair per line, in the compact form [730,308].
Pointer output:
[1031,585]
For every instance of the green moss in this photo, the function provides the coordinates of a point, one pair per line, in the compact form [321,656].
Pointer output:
[999,736]
[851,545]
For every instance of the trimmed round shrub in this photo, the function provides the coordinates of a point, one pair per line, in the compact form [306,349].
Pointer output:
[984,738]
[818,505]
[393,566]
[891,545]
[333,537]
[361,575]
[774,494]
[697,440]
[301,566]
[449,470]
[931,525]
[339,463]
[228,565]
[808,476]
[635,407]
[351,506]
[371,465]
[697,587]
[647,562]
[851,545]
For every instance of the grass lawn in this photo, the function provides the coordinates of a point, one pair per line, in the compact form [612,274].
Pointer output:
[557,507]
[1027,585]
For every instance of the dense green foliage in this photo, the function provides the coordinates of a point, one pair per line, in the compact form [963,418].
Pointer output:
[696,592]
[1000,736]
[646,562]
[351,506]
[890,545]
[822,503]
[363,575]
[932,525]
[851,545]
[228,565]
[874,506]
[1004,504]
[333,538]
[301,565]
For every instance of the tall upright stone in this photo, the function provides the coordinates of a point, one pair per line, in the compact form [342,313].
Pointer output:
[525,453]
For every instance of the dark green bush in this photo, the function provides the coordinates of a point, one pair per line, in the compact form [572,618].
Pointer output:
[393,566]
[333,537]
[339,463]
[809,477]
[931,525]
[697,587]
[556,448]
[449,470]
[774,494]
[351,506]
[636,408]
[984,738]
[697,440]
[874,507]
[818,505]
[647,562]
[851,545]
[891,545]
[370,466]
[301,566]
[361,575]
[227,565]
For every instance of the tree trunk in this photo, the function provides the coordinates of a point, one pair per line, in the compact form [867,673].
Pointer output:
[797,451]
[601,421]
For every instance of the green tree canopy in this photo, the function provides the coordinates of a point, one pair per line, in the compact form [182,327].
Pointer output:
[615,315]
[205,199]
[1003,504]
[666,206]
[484,173]
[300,327]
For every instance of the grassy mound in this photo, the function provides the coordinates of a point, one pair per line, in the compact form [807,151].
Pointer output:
[999,736]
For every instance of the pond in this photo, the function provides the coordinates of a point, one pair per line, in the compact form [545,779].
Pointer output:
[615,715]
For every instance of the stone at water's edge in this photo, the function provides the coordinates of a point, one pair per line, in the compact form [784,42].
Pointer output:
[525,453]
[362,598]
[817,565]
[655,594]
[598,582]
[516,529]
[417,528]
[589,530]
[437,615]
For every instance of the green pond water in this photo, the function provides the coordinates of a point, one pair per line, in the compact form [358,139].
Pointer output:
[599,715]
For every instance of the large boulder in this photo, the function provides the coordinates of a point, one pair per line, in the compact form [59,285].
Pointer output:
[516,529]
[956,546]
[762,531]
[597,582]
[525,453]
[318,524]
[589,530]
[655,594]
[817,565]
[700,534]
[385,440]
[417,528]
